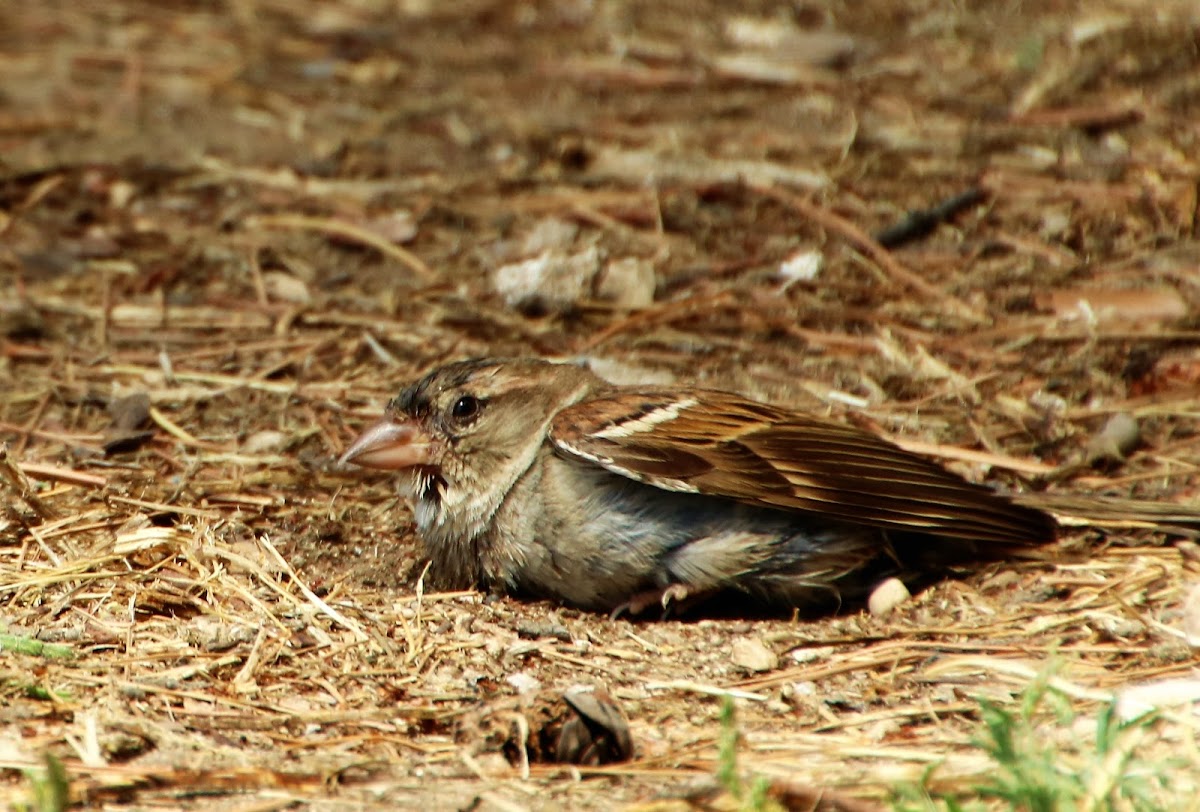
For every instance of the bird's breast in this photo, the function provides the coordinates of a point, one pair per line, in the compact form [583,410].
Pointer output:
[575,532]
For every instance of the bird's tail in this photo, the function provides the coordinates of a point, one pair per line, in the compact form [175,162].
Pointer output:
[1112,513]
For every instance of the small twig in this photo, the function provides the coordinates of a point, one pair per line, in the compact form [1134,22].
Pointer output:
[870,246]
[244,680]
[316,601]
[949,452]
[256,276]
[1090,117]
[32,423]
[180,433]
[346,231]
[54,473]
[163,507]
[380,351]
[700,688]
[917,224]
[57,436]
[522,725]
[16,479]
[659,314]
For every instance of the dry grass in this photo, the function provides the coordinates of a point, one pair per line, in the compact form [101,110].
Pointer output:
[206,218]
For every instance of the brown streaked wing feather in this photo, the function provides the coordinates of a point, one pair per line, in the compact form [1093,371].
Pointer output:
[725,445]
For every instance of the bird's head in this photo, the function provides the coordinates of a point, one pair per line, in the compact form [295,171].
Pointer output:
[464,434]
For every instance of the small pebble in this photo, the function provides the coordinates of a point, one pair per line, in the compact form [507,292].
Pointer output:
[264,442]
[752,655]
[283,287]
[887,596]
[525,683]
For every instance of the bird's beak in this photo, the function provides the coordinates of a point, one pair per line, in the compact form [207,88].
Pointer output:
[389,445]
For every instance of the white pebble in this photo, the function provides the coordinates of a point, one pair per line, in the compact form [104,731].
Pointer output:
[887,596]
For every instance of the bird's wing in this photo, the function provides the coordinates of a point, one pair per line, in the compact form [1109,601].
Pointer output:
[724,445]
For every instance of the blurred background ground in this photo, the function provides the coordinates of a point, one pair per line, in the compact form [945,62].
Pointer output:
[230,230]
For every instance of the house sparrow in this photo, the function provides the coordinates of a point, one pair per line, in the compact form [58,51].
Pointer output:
[542,479]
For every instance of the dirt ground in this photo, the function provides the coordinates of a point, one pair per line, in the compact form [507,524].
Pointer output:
[230,231]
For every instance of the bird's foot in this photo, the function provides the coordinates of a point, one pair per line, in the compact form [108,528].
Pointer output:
[669,597]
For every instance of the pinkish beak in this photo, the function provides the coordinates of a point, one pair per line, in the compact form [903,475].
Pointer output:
[390,446]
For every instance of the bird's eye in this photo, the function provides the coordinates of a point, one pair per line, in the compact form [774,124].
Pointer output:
[465,408]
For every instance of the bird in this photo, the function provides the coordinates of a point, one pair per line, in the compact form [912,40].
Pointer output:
[542,480]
